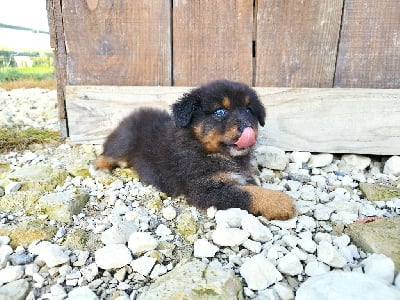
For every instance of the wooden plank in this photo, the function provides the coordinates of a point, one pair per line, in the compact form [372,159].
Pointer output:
[212,40]
[369,49]
[57,43]
[318,120]
[297,42]
[118,42]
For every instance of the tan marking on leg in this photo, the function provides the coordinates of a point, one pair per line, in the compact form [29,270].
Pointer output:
[105,163]
[274,205]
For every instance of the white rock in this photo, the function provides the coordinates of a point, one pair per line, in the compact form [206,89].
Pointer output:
[57,292]
[118,233]
[259,273]
[392,166]
[271,157]
[345,285]
[143,265]
[341,241]
[306,242]
[4,240]
[397,281]
[299,157]
[379,266]
[289,224]
[290,240]
[284,292]
[12,187]
[308,193]
[290,264]
[231,217]
[158,270]
[320,160]
[112,256]
[299,253]
[253,246]
[89,272]
[31,269]
[211,211]
[316,267]
[323,212]
[11,273]
[81,293]
[258,232]
[203,248]
[229,236]
[306,222]
[328,254]
[52,254]
[163,230]
[350,162]
[5,251]
[169,213]
[140,242]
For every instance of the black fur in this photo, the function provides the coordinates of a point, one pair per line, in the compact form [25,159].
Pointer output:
[181,154]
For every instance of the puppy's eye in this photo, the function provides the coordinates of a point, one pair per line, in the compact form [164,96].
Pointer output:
[248,110]
[221,113]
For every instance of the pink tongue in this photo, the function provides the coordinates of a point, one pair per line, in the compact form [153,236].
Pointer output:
[247,139]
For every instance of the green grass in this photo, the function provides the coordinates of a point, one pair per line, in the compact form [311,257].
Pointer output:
[21,139]
[24,73]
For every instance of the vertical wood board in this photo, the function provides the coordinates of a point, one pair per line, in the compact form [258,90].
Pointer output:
[297,42]
[369,49]
[118,42]
[212,40]
[318,120]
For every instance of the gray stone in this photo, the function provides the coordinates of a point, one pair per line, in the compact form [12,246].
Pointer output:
[195,280]
[377,192]
[380,236]
[61,206]
[345,285]
[15,290]
[38,178]
[271,157]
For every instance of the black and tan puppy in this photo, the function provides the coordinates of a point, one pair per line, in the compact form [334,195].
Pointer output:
[201,151]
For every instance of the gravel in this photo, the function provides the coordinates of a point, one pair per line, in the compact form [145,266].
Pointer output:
[137,234]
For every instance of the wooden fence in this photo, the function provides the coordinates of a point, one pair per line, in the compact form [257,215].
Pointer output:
[264,43]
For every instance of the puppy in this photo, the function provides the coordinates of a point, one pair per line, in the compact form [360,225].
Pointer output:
[202,151]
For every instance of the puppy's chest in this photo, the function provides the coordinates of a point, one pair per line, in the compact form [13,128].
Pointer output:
[232,171]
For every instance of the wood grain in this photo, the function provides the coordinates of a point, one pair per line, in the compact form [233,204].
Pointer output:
[369,49]
[297,42]
[363,121]
[212,40]
[118,42]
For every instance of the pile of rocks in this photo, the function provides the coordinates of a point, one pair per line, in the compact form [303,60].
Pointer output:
[69,232]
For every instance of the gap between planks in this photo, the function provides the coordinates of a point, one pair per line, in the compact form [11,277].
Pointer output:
[364,121]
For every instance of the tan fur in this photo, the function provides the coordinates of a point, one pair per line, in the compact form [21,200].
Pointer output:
[269,203]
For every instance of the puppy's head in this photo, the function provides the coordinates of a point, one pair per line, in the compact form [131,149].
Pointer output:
[223,115]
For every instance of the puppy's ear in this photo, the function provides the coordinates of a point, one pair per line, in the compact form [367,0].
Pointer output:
[184,108]
[261,115]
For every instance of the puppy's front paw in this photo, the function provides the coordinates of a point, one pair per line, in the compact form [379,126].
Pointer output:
[274,205]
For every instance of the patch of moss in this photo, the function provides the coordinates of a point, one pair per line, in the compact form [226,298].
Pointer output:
[20,139]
